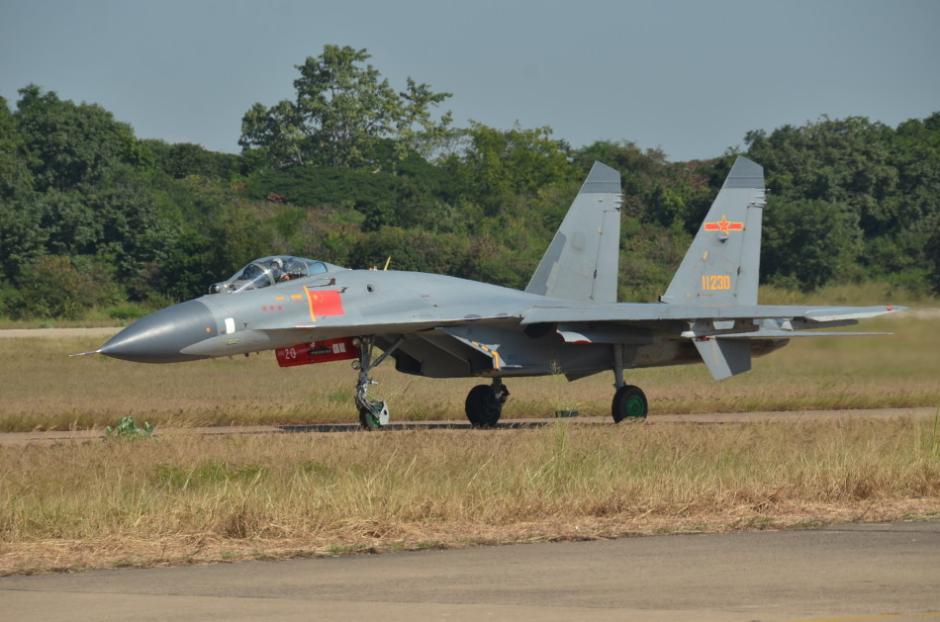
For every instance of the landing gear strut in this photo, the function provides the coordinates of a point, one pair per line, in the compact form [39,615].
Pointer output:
[485,403]
[373,414]
[629,401]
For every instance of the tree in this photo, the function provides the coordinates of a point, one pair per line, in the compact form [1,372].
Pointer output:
[184,159]
[412,250]
[57,286]
[340,112]
[810,241]
[933,256]
[22,237]
[71,146]
[21,234]
[15,178]
[498,164]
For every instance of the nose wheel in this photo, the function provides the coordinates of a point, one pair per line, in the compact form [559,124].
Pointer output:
[484,403]
[373,414]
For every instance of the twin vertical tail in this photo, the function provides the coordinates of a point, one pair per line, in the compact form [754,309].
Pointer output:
[583,260]
[723,264]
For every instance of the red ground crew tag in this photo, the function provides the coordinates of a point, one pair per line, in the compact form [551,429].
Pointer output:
[324,302]
[317,352]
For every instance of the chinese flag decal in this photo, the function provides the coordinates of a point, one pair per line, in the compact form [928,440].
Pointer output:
[324,302]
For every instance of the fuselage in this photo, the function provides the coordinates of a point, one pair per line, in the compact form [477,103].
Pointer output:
[248,321]
[450,326]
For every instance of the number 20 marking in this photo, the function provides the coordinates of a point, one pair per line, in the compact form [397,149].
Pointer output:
[712,282]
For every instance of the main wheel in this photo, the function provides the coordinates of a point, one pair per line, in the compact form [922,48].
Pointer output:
[483,406]
[629,403]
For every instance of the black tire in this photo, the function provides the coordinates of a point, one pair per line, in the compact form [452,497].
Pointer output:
[629,403]
[483,406]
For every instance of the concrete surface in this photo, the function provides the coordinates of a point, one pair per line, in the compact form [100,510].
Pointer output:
[856,572]
[54,436]
[57,333]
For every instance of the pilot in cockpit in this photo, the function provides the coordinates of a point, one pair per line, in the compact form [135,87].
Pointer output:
[269,271]
[292,269]
[277,269]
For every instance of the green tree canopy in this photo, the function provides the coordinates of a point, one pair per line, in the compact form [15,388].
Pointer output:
[69,146]
[351,170]
[808,241]
[342,109]
[15,177]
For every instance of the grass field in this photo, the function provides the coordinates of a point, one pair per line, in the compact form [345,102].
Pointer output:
[188,498]
[184,497]
[44,389]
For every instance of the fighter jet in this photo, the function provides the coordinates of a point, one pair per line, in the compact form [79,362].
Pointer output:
[567,321]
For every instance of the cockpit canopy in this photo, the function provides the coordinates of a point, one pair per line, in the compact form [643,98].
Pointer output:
[269,271]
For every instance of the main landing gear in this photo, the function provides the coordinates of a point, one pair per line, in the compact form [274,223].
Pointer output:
[485,403]
[373,414]
[629,401]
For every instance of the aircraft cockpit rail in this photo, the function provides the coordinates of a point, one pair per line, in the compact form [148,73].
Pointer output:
[268,271]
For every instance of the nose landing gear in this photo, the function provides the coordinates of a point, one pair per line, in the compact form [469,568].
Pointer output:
[373,414]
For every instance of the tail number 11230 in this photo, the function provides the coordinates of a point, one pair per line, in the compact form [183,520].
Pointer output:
[716,282]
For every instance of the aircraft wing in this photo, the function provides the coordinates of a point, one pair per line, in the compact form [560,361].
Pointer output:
[269,337]
[790,334]
[705,321]
[397,325]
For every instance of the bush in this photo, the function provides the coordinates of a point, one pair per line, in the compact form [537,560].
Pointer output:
[812,242]
[60,287]
[933,256]
[125,312]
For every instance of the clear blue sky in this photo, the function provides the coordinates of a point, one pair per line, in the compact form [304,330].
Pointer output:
[690,77]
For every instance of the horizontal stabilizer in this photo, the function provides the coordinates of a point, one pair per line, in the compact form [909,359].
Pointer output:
[724,358]
[789,334]
[641,312]
[835,314]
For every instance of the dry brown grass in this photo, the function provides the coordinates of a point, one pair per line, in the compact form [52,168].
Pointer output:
[43,389]
[187,498]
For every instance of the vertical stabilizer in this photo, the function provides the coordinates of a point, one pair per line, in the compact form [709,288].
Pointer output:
[583,260]
[723,264]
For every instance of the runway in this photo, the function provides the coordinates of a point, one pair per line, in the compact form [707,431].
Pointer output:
[53,436]
[841,573]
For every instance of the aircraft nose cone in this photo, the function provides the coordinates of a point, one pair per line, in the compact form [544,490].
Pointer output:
[159,337]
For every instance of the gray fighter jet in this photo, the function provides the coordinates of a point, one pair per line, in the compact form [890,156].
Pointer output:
[567,321]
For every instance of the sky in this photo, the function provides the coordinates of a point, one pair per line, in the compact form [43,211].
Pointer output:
[689,77]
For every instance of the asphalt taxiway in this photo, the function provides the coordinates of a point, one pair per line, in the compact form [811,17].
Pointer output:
[841,573]
[53,436]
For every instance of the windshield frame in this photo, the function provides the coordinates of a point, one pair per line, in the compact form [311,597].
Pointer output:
[270,271]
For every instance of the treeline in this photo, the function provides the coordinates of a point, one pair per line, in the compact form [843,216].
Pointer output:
[353,171]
